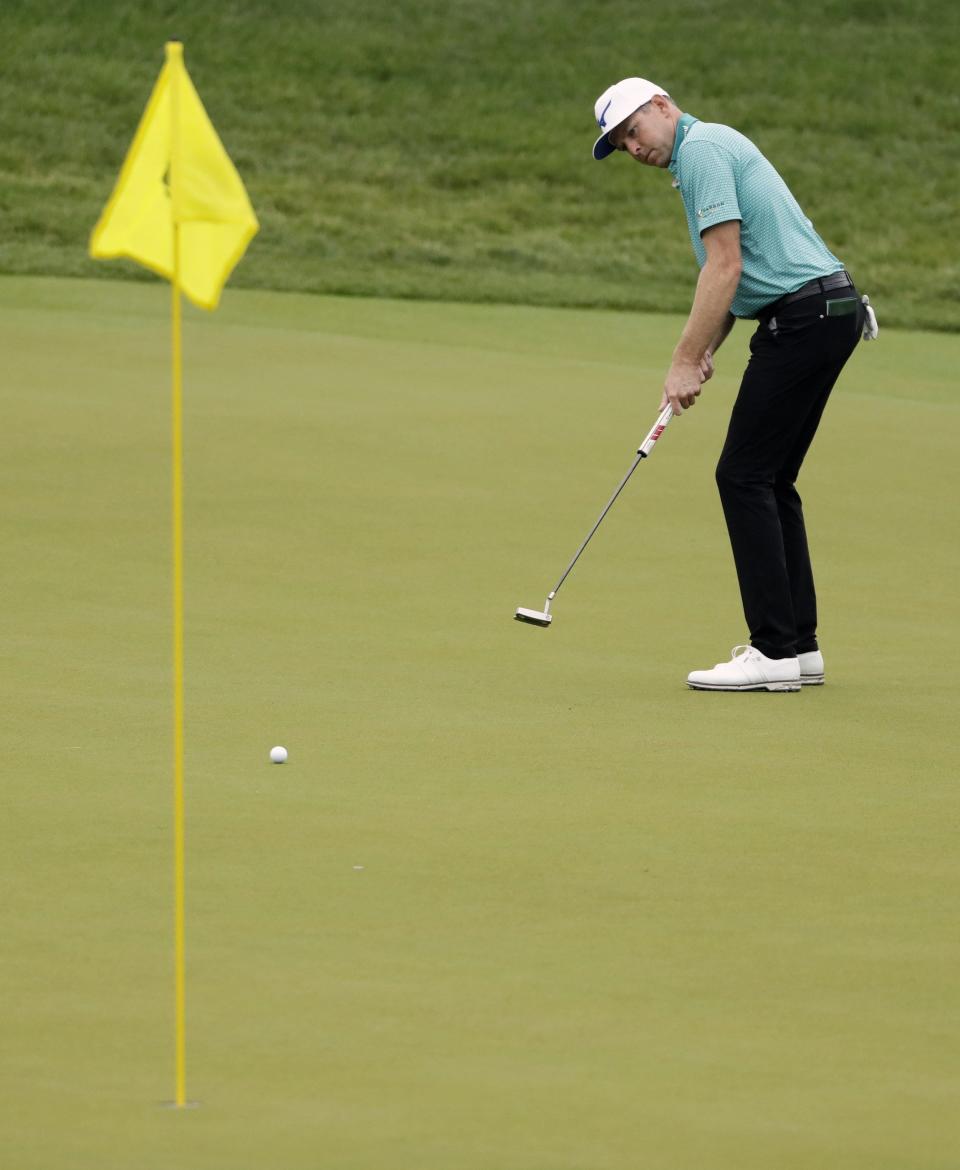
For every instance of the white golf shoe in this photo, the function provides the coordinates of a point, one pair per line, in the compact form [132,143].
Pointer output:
[811,669]
[748,670]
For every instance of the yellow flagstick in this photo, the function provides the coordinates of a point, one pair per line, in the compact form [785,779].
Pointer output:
[180,209]
[174,52]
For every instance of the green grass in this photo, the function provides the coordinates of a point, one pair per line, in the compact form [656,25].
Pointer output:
[602,921]
[441,150]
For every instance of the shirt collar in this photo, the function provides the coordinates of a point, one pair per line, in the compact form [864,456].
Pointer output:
[686,121]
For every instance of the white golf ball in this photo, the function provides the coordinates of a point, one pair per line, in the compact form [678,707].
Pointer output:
[278,755]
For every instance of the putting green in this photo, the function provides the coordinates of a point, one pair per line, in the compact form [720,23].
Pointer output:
[519,900]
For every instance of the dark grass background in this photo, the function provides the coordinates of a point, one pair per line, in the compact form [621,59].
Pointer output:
[441,150]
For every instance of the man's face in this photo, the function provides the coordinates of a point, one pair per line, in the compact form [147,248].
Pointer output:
[648,134]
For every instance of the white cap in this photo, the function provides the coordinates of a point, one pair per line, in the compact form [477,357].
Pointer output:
[616,104]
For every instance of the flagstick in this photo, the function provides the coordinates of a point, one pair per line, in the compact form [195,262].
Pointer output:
[178,811]
[144,222]
[178,802]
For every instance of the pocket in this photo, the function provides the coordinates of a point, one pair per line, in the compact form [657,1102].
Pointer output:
[796,318]
[840,328]
[833,317]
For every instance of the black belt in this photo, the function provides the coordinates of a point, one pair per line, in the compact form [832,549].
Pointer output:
[819,284]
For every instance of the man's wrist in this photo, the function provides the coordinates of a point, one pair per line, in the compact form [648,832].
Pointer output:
[684,357]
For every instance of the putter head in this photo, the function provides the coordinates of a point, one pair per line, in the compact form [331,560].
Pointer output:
[535,617]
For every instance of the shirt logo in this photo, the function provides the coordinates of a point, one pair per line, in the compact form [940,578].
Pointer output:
[603,124]
[703,211]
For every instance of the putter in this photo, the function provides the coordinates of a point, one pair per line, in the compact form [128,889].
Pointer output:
[543,617]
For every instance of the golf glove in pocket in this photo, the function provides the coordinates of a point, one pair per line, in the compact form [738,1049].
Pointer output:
[870,327]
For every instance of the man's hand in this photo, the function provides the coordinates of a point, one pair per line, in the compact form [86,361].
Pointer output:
[683,384]
[706,367]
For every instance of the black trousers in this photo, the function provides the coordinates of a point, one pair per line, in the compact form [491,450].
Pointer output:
[795,359]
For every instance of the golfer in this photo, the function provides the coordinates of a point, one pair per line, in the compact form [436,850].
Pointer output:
[759,258]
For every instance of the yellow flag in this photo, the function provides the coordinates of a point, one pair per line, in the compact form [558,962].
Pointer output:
[177,172]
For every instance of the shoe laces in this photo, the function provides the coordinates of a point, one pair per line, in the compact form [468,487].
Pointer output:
[745,653]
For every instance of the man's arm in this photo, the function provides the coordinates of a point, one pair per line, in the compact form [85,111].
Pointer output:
[706,362]
[721,337]
[710,320]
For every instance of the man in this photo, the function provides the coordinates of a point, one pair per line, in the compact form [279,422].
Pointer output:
[759,258]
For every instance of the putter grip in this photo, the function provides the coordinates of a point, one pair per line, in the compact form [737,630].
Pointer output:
[656,431]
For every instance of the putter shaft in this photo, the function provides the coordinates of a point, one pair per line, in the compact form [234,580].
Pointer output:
[643,452]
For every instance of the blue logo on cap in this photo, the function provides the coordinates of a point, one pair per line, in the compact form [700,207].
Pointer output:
[603,124]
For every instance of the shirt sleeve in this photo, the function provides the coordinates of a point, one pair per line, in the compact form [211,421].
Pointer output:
[710,184]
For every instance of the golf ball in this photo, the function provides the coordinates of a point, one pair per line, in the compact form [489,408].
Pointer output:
[278,755]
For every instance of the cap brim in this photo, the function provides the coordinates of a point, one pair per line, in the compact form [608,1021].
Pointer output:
[603,147]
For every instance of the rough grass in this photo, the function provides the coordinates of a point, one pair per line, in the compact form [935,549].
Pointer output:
[426,149]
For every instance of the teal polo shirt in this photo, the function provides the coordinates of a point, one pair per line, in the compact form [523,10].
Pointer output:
[722,176]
